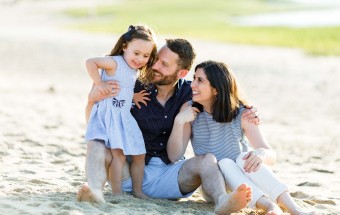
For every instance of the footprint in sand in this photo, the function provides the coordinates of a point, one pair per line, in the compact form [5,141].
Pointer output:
[299,195]
[309,184]
[35,204]
[320,201]
[19,190]
[323,171]
[60,161]
[37,181]
[27,172]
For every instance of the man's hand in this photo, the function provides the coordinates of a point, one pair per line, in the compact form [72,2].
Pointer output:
[104,87]
[252,115]
[95,95]
[141,97]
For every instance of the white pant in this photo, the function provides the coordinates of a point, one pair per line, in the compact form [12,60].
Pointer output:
[262,182]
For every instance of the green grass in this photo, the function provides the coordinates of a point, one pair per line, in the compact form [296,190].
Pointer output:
[208,20]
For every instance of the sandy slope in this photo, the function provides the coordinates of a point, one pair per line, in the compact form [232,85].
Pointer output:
[43,88]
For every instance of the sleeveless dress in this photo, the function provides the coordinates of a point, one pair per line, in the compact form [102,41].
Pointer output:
[111,120]
[224,140]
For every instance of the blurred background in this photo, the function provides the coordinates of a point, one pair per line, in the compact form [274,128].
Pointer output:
[285,54]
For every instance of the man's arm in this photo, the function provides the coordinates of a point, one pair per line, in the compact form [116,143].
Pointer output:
[252,115]
[95,96]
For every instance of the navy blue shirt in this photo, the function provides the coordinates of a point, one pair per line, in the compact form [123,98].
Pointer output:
[156,121]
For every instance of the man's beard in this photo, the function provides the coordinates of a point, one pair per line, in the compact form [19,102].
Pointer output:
[165,80]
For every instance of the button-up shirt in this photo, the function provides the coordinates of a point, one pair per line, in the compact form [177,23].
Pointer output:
[156,121]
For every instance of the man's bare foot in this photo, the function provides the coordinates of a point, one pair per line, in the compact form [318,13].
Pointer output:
[85,194]
[234,201]
[140,195]
[274,209]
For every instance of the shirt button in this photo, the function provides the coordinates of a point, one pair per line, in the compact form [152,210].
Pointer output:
[161,144]
[164,132]
[154,152]
[165,117]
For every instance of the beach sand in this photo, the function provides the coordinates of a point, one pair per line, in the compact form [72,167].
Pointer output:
[43,91]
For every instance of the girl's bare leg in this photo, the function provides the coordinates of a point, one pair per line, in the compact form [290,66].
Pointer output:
[116,171]
[137,174]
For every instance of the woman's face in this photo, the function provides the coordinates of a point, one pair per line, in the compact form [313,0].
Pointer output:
[202,91]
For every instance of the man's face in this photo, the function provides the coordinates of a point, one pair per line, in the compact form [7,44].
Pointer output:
[166,67]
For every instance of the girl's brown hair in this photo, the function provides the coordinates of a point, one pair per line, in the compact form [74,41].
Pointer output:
[138,32]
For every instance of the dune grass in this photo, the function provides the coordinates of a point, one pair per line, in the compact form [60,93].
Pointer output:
[207,20]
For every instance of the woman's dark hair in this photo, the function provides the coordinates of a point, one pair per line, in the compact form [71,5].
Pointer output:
[228,98]
[138,32]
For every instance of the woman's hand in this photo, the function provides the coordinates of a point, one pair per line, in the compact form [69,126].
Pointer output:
[141,97]
[187,115]
[254,160]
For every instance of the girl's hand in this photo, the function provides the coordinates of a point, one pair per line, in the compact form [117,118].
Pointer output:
[105,88]
[141,97]
[254,160]
[188,114]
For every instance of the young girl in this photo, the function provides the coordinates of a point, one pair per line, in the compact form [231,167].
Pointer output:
[111,121]
[218,128]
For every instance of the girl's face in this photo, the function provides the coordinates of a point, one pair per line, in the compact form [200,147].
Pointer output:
[137,53]
[202,91]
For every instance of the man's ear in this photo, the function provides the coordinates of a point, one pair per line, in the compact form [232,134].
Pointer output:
[182,73]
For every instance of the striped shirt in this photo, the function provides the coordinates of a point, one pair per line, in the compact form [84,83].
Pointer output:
[224,140]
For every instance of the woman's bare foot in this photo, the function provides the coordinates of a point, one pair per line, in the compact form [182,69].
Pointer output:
[234,201]
[274,209]
[85,194]
[299,211]
[140,195]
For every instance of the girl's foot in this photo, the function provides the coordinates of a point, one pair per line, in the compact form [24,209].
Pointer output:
[140,195]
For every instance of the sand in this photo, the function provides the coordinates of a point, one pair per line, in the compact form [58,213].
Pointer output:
[43,91]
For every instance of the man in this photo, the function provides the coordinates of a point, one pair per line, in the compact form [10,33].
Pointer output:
[165,175]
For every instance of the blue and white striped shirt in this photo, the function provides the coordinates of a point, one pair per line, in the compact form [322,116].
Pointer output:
[224,140]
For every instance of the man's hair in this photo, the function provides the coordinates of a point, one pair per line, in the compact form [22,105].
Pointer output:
[184,50]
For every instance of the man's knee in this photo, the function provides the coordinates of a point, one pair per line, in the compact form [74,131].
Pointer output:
[98,150]
[207,161]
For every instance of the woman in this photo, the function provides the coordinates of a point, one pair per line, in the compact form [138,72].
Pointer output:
[218,128]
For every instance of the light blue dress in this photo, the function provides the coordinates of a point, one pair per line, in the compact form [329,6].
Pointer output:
[111,120]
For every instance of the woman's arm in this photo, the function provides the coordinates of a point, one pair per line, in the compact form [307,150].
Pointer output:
[181,132]
[262,153]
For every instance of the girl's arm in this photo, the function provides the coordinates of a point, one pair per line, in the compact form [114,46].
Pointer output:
[262,153]
[181,132]
[107,63]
